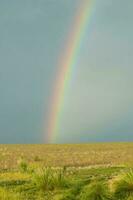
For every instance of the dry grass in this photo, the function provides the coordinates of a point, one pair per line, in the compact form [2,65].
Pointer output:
[67,154]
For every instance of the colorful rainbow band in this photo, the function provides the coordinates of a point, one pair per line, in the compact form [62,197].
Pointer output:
[67,63]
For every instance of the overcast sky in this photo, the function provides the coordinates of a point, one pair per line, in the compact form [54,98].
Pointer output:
[98,105]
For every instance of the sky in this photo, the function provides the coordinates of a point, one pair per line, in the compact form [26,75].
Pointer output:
[98,105]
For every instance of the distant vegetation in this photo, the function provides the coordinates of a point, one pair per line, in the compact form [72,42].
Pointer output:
[66,172]
[67,155]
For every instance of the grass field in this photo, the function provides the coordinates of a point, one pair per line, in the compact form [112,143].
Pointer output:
[98,171]
[67,155]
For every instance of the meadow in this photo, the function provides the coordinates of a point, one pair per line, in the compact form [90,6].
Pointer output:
[95,171]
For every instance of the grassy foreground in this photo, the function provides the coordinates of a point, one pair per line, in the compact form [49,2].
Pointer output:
[66,172]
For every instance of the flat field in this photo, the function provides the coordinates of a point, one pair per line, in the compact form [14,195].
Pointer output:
[99,171]
[73,155]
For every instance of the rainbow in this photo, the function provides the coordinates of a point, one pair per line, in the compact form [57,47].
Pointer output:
[67,63]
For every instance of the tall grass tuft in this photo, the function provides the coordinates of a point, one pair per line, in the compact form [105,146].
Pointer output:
[60,179]
[123,186]
[73,192]
[49,179]
[22,165]
[95,191]
[43,179]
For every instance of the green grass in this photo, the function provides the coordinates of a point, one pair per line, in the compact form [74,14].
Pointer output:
[76,172]
[104,183]
[124,185]
[97,190]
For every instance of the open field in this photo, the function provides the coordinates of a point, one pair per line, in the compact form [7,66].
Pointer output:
[67,155]
[101,171]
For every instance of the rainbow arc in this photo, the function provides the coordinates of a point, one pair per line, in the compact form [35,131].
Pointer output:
[67,64]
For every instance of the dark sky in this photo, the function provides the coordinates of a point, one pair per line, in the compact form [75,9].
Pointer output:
[99,103]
